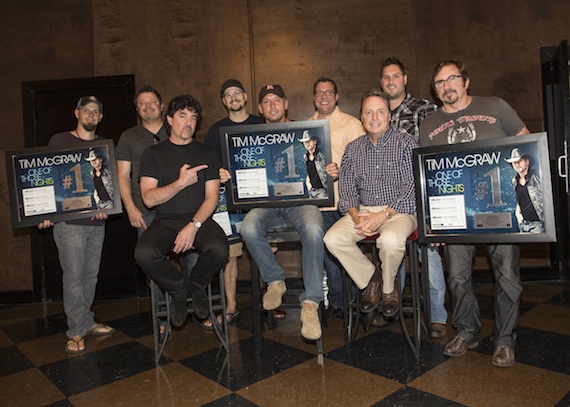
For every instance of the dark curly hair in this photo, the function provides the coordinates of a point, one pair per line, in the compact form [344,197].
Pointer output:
[182,102]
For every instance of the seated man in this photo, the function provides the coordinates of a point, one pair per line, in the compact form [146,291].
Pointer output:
[179,177]
[376,188]
[306,219]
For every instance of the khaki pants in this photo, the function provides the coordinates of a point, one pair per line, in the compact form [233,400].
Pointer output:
[341,240]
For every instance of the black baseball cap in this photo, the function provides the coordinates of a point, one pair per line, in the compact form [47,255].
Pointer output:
[275,89]
[228,84]
[85,100]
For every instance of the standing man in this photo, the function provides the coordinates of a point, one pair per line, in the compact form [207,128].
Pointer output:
[180,178]
[306,219]
[462,119]
[407,114]
[528,189]
[151,130]
[344,128]
[376,196]
[234,99]
[80,242]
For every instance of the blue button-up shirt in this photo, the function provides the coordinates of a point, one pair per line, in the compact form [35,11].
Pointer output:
[381,174]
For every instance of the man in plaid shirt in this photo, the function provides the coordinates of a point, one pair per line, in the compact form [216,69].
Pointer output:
[377,195]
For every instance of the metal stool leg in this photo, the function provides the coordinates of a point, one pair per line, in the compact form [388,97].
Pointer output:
[221,329]
[415,308]
[160,319]
[256,306]
[351,304]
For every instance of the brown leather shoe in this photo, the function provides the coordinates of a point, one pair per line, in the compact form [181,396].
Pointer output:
[370,297]
[381,321]
[390,303]
[459,346]
[504,356]
[438,330]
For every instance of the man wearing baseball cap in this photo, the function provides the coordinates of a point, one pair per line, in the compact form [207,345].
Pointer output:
[234,99]
[305,219]
[80,242]
[273,104]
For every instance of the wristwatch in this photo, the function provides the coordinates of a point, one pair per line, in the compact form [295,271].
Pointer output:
[197,223]
[388,213]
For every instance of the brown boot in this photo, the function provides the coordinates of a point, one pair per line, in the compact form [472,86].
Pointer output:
[370,297]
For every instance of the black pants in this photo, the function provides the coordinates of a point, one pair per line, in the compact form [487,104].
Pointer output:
[157,242]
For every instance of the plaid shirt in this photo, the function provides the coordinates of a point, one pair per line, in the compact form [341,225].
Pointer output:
[381,174]
[407,117]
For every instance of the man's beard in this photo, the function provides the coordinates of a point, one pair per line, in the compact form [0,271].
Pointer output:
[237,108]
[89,126]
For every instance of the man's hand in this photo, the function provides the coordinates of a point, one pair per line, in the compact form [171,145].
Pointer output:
[224,175]
[185,238]
[136,218]
[189,175]
[333,170]
[100,216]
[46,224]
[369,222]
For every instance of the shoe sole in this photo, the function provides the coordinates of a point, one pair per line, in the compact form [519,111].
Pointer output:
[472,345]
[386,323]
[503,364]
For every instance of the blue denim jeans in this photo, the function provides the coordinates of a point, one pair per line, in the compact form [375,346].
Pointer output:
[334,269]
[508,290]
[307,220]
[436,284]
[79,249]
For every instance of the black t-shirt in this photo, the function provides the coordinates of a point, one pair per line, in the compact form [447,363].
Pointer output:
[213,136]
[163,162]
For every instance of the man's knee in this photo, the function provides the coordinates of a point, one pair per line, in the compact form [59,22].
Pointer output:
[145,255]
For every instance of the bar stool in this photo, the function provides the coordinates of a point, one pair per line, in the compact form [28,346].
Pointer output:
[276,237]
[419,296]
[160,308]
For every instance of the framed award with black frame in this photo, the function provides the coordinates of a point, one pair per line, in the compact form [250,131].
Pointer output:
[278,164]
[58,183]
[488,191]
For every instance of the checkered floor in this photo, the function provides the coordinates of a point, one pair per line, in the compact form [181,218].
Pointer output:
[379,370]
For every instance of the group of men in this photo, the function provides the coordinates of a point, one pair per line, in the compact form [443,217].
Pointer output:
[170,188]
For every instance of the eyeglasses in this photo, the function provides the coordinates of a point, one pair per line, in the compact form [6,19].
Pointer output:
[234,93]
[451,79]
[327,93]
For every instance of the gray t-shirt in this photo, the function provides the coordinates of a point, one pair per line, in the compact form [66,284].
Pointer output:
[132,143]
[484,118]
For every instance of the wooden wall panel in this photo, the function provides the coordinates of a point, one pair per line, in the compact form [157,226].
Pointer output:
[295,42]
[177,46]
[39,40]
[499,42]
